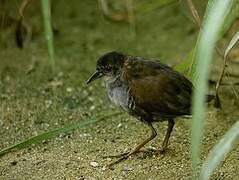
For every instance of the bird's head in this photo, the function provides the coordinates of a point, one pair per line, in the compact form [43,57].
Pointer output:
[108,65]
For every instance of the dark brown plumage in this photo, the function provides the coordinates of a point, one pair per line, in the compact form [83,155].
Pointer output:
[146,89]
[157,89]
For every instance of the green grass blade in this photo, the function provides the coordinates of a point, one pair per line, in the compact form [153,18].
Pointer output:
[208,37]
[230,15]
[184,67]
[232,43]
[220,151]
[52,133]
[47,135]
[46,10]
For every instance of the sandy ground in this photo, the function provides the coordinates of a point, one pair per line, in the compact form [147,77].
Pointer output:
[40,101]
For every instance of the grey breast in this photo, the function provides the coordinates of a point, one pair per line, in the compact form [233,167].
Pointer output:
[119,93]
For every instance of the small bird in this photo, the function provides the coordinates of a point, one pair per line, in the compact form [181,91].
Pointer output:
[146,89]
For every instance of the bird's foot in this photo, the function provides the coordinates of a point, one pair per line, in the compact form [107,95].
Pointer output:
[163,150]
[117,156]
[121,157]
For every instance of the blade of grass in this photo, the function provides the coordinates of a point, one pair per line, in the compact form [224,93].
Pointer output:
[207,41]
[53,133]
[230,16]
[232,43]
[184,66]
[194,12]
[187,65]
[46,10]
[131,16]
[220,150]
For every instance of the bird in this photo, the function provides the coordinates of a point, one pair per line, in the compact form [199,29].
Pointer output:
[147,89]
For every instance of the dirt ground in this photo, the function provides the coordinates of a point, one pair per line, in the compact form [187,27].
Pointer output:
[31,103]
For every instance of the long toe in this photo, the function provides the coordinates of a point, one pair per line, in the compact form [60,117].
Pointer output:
[116,156]
[122,158]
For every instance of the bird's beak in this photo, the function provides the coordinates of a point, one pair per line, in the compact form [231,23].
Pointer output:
[94,76]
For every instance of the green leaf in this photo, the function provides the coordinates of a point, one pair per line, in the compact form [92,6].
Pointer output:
[46,9]
[232,43]
[213,22]
[220,151]
[47,135]
[228,49]
[185,66]
[232,14]
[229,16]
[53,133]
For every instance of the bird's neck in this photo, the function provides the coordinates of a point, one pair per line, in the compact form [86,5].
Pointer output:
[113,79]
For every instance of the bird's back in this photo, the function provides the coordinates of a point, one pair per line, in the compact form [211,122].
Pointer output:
[157,90]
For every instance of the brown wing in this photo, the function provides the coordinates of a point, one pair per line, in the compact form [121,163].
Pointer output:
[158,89]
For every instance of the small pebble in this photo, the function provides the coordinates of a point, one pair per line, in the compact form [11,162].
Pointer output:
[94,164]
[92,107]
[108,159]
[119,125]
[152,148]
[128,169]
[103,168]
[69,89]
[90,98]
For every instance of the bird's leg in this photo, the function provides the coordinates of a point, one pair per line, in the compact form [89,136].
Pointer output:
[166,138]
[138,147]
[152,136]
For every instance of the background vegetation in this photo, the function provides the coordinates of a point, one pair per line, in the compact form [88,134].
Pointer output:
[47,85]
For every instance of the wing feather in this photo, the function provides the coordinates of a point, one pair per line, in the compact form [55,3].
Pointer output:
[158,89]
